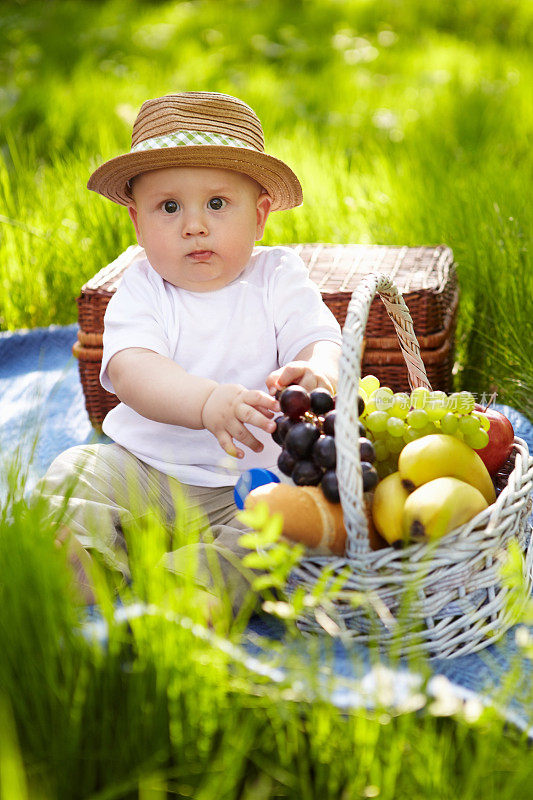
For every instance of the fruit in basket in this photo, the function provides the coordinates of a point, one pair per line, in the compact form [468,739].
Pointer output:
[393,420]
[376,422]
[321,401]
[369,384]
[294,401]
[283,425]
[387,507]
[307,439]
[370,476]
[367,450]
[306,473]
[500,439]
[300,439]
[325,452]
[436,406]
[440,506]
[286,463]
[328,425]
[439,455]
[330,486]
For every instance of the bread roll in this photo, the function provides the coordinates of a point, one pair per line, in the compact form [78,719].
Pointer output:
[307,516]
[310,519]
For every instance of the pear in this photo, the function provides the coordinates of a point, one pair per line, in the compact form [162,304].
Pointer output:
[440,506]
[387,507]
[439,455]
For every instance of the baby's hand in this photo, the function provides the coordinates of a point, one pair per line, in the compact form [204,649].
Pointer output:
[300,372]
[229,407]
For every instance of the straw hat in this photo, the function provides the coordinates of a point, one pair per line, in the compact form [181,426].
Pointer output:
[197,129]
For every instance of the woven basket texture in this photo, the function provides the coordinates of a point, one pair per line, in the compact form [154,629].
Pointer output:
[442,599]
[425,275]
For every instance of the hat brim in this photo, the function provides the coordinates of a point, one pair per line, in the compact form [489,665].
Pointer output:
[111,178]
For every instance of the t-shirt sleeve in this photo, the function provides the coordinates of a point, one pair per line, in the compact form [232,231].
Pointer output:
[134,318]
[301,316]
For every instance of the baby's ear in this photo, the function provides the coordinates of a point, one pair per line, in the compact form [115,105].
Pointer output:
[132,211]
[264,203]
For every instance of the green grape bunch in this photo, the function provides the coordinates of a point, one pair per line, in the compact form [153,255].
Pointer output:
[392,419]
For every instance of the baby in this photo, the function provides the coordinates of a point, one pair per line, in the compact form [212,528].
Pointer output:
[202,332]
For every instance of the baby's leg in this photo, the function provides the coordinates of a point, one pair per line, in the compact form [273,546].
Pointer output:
[219,562]
[94,491]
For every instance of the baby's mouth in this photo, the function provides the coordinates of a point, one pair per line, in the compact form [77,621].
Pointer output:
[200,255]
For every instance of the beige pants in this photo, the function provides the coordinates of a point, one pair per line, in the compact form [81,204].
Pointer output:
[98,490]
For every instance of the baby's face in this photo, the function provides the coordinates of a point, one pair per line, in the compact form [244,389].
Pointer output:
[198,225]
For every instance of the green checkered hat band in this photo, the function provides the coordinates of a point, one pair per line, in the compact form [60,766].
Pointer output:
[187,138]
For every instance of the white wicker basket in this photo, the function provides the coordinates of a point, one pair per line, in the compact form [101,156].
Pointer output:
[443,599]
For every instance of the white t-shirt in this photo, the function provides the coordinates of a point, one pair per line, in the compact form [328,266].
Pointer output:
[237,334]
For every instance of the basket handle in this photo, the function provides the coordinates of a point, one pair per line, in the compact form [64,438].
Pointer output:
[346,425]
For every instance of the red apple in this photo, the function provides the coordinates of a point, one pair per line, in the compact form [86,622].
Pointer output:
[501,439]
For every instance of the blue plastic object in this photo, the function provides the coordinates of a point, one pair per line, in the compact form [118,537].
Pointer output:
[249,480]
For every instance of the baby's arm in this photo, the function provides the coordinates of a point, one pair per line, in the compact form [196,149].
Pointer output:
[159,389]
[317,365]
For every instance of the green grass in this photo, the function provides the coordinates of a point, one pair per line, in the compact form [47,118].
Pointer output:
[168,708]
[408,123]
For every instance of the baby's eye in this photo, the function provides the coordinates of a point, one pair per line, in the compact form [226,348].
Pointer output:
[216,203]
[170,206]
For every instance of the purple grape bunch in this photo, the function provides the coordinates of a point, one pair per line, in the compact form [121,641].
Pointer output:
[305,431]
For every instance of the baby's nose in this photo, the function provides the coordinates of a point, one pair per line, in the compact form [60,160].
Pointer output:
[194,224]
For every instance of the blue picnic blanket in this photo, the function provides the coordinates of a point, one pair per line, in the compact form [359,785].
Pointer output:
[42,413]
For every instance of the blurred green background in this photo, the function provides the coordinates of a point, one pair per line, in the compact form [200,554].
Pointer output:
[407,123]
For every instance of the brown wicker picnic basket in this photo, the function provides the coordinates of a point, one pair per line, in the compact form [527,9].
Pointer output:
[443,599]
[425,275]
